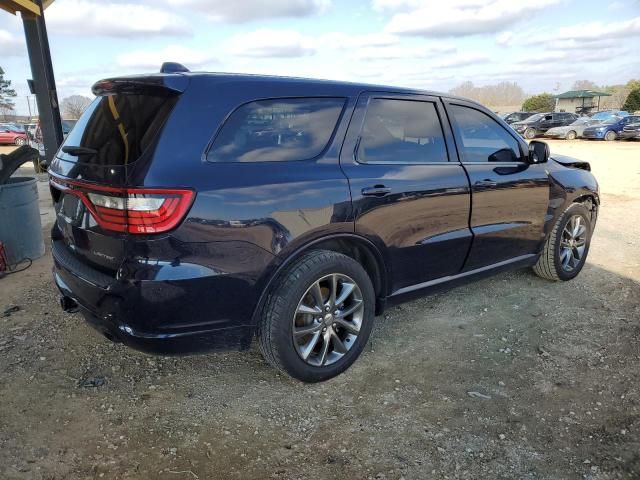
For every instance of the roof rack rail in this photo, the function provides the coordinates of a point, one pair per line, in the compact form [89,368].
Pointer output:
[173,67]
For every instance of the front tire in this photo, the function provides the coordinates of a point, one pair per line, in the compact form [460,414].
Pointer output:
[318,316]
[610,136]
[571,135]
[567,247]
[530,133]
[19,141]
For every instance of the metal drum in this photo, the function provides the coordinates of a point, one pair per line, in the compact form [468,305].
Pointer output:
[20,227]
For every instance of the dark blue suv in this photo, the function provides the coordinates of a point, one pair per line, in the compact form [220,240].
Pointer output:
[196,211]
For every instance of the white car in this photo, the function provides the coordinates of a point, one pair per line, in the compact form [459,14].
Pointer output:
[571,132]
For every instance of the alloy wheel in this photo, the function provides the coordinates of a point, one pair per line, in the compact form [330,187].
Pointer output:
[573,243]
[328,320]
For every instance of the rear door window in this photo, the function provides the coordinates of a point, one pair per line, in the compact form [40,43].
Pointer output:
[277,130]
[115,130]
[401,131]
[483,139]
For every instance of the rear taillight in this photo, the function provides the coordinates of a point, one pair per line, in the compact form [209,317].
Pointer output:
[132,210]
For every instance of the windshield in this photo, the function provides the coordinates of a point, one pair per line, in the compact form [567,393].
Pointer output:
[534,118]
[611,120]
[602,115]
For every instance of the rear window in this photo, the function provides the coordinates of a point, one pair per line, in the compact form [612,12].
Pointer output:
[118,127]
[277,130]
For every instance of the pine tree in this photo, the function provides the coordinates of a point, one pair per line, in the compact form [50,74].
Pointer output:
[633,101]
[6,92]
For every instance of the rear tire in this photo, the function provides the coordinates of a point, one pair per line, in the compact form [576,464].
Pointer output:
[19,141]
[571,135]
[567,246]
[530,133]
[306,329]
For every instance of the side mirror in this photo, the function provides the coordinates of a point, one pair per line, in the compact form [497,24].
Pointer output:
[538,152]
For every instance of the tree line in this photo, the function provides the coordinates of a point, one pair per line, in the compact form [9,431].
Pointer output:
[623,97]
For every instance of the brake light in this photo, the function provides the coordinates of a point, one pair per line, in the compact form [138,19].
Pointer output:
[131,210]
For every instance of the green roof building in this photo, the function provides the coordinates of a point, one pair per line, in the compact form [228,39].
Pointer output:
[579,101]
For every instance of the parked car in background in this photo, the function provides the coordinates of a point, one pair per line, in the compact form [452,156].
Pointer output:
[572,131]
[30,128]
[516,116]
[10,135]
[37,143]
[631,130]
[609,129]
[607,114]
[541,122]
[12,127]
[228,207]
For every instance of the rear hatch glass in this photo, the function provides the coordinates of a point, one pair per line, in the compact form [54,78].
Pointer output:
[113,136]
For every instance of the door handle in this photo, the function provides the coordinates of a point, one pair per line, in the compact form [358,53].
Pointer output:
[486,183]
[375,191]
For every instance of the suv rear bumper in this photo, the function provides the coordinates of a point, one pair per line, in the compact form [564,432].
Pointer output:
[151,316]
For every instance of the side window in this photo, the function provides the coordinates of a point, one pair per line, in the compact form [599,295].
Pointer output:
[277,130]
[483,139]
[401,131]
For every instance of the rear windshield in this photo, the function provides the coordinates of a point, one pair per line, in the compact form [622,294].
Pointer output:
[277,130]
[118,128]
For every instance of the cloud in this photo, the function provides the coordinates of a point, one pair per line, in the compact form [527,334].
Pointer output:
[153,59]
[464,60]
[82,17]
[597,31]
[271,43]
[344,41]
[458,17]
[505,39]
[241,11]
[400,52]
[11,45]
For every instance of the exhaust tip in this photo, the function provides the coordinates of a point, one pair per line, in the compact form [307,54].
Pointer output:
[68,304]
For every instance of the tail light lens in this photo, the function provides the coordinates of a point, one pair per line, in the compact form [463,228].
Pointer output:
[130,210]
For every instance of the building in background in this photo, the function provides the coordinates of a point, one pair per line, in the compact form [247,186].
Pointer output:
[579,101]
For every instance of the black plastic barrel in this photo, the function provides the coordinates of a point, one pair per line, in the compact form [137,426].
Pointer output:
[20,227]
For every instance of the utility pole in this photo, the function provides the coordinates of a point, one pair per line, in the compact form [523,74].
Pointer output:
[29,106]
[43,80]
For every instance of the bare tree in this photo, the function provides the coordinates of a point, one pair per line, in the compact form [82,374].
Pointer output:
[501,94]
[73,106]
[584,85]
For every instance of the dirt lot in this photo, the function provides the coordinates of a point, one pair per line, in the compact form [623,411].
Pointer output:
[556,367]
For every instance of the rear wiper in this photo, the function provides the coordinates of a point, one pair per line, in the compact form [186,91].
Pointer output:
[71,150]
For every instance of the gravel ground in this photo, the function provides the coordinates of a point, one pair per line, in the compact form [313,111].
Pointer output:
[510,377]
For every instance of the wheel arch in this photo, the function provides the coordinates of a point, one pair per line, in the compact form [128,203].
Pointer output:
[355,246]
[592,202]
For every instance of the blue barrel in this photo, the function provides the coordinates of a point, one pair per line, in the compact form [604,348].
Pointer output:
[20,227]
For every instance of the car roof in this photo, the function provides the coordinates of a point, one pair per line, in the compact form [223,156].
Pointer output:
[274,80]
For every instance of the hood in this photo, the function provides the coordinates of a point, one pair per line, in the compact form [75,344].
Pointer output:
[571,162]
[597,125]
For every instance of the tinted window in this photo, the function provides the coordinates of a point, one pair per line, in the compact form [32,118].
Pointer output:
[277,130]
[118,128]
[401,131]
[483,139]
